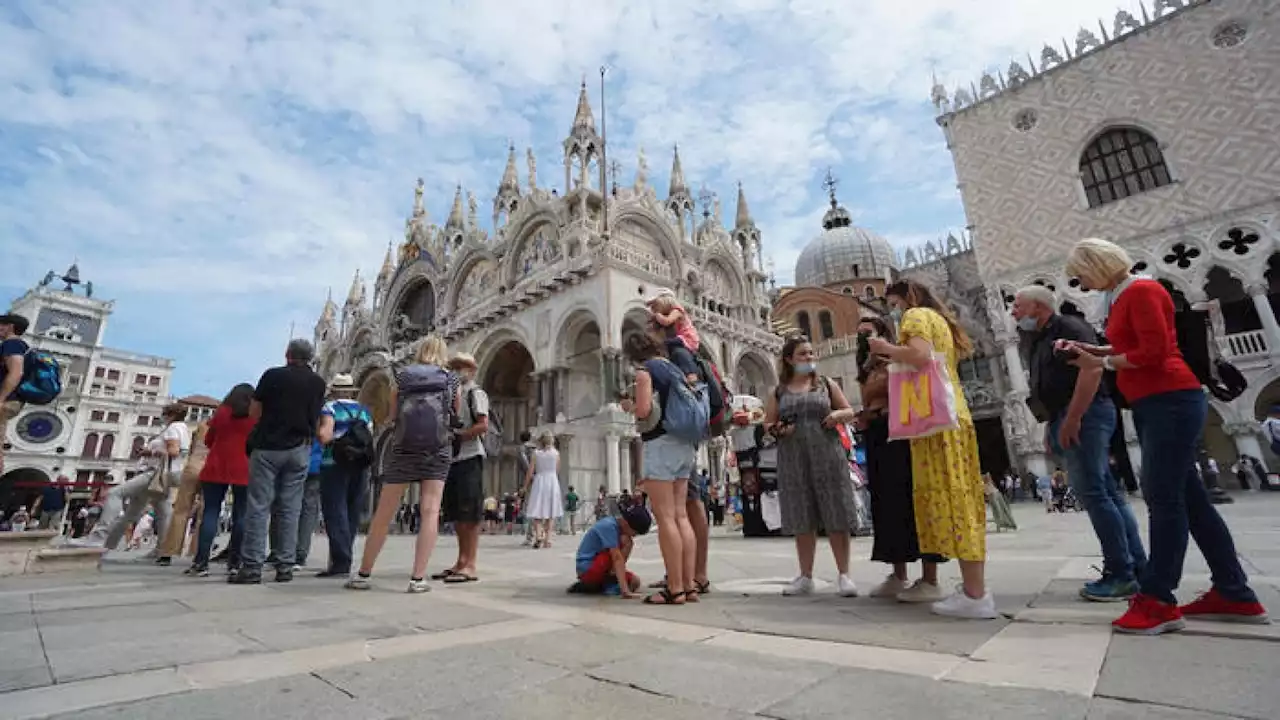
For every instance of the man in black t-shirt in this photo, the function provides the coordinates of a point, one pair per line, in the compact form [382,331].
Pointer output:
[13,352]
[287,404]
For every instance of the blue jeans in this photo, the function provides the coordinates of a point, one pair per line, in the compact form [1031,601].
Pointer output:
[274,475]
[214,494]
[1169,427]
[342,501]
[1089,472]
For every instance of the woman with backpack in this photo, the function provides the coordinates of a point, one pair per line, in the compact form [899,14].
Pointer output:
[669,461]
[345,436]
[814,486]
[424,404]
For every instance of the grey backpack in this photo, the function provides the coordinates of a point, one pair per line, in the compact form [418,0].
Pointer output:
[424,421]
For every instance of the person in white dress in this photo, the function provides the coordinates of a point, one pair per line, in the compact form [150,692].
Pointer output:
[543,505]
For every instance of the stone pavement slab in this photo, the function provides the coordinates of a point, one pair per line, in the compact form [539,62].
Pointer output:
[1107,709]
[1234,677]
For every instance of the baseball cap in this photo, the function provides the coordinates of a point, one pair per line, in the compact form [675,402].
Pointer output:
[19,323]
[637,516]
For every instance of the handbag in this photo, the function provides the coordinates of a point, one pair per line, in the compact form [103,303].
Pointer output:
[922,401]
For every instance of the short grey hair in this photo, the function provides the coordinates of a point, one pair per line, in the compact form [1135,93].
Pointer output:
[300,351]
[1039,294]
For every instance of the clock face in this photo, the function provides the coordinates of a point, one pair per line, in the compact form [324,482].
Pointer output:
[39,427]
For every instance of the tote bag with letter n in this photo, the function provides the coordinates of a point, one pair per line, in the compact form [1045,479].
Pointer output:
[922,401]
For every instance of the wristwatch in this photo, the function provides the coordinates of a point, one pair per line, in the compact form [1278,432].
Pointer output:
[1107,365]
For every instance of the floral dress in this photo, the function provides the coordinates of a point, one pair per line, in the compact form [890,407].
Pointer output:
[950,505]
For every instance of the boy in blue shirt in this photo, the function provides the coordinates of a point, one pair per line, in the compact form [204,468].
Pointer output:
[602,557]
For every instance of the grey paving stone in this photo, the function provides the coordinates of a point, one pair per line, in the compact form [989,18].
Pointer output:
[1108,709]
[412,684]
[50,602]
[144,652]
[424,611]
[683,672]
[13,622]
[581,698]
[580,648]
[114,629]
[18,603]
[21,649]
[301,697]
[21,678]
[1230,677]
[298,635]
[96,615]
[888,696]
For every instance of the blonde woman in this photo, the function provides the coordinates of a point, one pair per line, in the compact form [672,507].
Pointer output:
[424,404]
[542,490]
[948,493]
[1169,410]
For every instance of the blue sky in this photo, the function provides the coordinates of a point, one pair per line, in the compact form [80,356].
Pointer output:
[215,167]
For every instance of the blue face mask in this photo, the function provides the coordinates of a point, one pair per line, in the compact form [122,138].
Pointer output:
[806,368]
[896,314]
[1028,324]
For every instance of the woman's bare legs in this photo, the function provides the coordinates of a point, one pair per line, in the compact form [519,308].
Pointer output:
[663,502]
[973,575]
[806,548]
[380,525]
[428,527]
[688,541]
[840,551]
[697,513]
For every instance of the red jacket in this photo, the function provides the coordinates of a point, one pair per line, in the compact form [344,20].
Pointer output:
[1140,327]
[227,463]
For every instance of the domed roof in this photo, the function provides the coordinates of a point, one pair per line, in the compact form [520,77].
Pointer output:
[843,251]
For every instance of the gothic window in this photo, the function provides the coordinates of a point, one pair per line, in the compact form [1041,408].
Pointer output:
[90,448]
[107,446]
[802,320]
[1239,240]
[135,449]
[1121,162]
[825,324]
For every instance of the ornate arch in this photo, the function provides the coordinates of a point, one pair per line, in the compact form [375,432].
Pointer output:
[753,358]
[470,257]
[498,336]
[720,256]
[510,267]
[571,322]
[399,293]
[656,228]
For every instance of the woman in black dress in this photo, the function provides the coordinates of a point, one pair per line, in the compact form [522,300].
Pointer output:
[888,477]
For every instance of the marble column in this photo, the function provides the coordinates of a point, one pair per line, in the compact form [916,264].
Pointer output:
[613,464]
[1245,435]
[611,374]
[624,454]
[539,397]
[1262,303]
[560,401]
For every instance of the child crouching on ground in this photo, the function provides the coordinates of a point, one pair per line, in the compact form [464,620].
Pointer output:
[604,551]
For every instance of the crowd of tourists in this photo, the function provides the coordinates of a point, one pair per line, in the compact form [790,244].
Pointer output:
[291,450]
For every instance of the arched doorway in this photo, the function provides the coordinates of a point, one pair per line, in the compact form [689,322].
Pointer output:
[579,349]
[418,305]
[21,486]
[506,376]
[754,376]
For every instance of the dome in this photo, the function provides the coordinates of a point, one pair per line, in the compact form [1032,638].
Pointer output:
[831,257]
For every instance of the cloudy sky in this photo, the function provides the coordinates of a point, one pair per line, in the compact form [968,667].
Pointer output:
[215,167]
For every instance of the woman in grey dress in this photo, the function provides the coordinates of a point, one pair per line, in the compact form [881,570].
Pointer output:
[814,482]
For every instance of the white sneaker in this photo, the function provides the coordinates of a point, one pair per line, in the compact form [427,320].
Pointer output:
[358,583]
[959,605]
[800,586]
[845,587]
[892,587]
[418,586]
[921,592]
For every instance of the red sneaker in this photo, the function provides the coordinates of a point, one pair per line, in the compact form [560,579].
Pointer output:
[1212,606]
[1148,616]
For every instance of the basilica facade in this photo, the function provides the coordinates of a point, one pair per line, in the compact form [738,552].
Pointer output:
[545,296]
[1157,132]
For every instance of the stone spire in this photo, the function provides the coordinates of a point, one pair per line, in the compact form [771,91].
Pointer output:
[330,312]
[582,146]
[678,185]
[457,220]
[508,197]
[510,180]
[743,217]
[388,267]
[355,296]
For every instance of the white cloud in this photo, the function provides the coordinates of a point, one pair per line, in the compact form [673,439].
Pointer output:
[224,163]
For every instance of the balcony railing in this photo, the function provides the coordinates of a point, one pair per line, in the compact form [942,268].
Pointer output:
[836,346]
[1243,346]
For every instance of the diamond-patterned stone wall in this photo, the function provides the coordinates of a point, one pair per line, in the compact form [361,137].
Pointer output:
[1215,112]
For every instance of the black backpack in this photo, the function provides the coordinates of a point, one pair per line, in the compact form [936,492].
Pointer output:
[355,448]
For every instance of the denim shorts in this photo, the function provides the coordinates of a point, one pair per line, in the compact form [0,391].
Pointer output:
[667,459]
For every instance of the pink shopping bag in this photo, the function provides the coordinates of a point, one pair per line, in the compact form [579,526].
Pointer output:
[922,401]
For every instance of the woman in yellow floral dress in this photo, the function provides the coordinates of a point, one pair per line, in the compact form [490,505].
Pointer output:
[950,506]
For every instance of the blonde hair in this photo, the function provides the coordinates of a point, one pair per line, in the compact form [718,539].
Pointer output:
[547,440]
[432,351]
[664,303]
[1098,263]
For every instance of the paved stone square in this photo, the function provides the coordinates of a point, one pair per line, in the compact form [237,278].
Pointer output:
[138,641]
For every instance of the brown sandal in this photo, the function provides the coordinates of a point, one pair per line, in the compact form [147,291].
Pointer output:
[665,597]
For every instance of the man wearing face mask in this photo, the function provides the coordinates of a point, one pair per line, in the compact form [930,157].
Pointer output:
[1082,419]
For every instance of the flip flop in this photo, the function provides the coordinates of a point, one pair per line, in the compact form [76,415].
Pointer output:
[665,597]
[457,578]
[702,588]
[444,574]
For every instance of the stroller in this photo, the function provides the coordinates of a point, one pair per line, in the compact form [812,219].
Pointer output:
[1065,499]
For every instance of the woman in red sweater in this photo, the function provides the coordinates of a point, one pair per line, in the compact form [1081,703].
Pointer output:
[1169,411]
[226,467]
